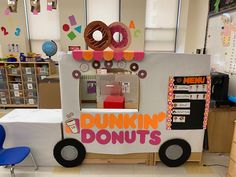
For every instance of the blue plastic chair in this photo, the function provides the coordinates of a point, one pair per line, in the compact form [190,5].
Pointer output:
[12,156]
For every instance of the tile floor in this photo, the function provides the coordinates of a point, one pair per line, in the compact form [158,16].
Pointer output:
[188,170]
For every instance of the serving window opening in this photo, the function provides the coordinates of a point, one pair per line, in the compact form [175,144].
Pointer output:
[110,89]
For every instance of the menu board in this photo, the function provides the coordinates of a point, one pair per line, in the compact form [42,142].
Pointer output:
[188,102]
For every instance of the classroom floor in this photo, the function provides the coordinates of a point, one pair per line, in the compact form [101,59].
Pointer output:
[139,170]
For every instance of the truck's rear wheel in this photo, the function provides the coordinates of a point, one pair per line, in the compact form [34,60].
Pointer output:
[174,152]
[69,152]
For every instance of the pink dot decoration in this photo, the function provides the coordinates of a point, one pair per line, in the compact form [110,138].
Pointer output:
[77,54]
[139,55]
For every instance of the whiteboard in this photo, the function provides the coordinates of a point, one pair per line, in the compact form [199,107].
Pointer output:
[223,52]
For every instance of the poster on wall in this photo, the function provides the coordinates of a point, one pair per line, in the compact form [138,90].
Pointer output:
[188,102]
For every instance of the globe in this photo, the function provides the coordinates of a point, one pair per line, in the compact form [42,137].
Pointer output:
[49,48]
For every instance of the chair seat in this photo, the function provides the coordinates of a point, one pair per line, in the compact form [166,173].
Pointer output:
[13,156]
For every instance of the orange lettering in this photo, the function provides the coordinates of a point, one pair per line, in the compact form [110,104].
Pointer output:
[129,122]
[116,121]
[84,123]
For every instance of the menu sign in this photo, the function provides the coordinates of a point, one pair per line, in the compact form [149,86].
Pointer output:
[188,102]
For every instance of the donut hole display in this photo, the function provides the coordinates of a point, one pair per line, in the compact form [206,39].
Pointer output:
[124,41]
[97,35]
[92,38]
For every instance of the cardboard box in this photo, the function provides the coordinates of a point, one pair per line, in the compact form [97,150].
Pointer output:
[49,93]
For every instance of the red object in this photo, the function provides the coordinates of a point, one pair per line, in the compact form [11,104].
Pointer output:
[114,102]
[66,27]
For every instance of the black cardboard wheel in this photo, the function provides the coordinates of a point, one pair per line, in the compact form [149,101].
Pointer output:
[69,152]
[174,152]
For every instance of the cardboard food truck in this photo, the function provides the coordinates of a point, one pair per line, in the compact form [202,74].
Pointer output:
[125,102]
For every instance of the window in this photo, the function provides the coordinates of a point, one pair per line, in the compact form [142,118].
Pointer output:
[161,22]
[43,26]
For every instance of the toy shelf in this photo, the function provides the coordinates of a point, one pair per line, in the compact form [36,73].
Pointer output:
[19,82]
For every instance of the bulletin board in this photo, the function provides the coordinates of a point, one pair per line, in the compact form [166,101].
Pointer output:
[221,43]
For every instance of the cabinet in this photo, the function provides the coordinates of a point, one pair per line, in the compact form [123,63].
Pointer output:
[220,129]
[232,162]
[19,82]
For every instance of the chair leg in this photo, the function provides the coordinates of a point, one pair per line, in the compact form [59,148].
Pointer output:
[35,165]
[12,171]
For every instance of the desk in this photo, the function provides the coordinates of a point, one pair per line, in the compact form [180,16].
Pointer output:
[40,129]
[220,129]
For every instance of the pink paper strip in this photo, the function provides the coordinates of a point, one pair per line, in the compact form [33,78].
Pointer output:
[139,55]
[77,54]
[98,55]
[118,56]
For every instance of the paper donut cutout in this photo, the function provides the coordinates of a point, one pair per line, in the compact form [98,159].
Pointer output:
[106,35]
[84,67]
[121,64]
[134,67]
[96,64]
[108,64]
[76,74]
[142,74]
[126,37]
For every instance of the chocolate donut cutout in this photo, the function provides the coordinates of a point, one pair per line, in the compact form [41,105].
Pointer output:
[108,64]
[106,35]
[126,37]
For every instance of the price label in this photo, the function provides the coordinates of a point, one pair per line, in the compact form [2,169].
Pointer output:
[30,79]
[16,93]
[30,86]
[15,86]
[28,70]
[4,100]
[31,101]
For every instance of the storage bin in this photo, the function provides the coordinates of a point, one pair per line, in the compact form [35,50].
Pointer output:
[31,101]
[2,72]
[4,100]
[28,70]
[15,86]
[17,100]
[30,93]
[30,86]
[3,85]
[4,93]
[42,70]
[14,71]
[16,93]
[29,78]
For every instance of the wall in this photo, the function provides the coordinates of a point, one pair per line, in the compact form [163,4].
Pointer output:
[134,10]
[192,26]
[11,22]
[69,8]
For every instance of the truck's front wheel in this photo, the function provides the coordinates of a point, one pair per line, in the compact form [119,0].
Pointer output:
[69,152]
[174,152]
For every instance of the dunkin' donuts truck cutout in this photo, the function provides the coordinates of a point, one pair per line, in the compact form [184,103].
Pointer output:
[143,128]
